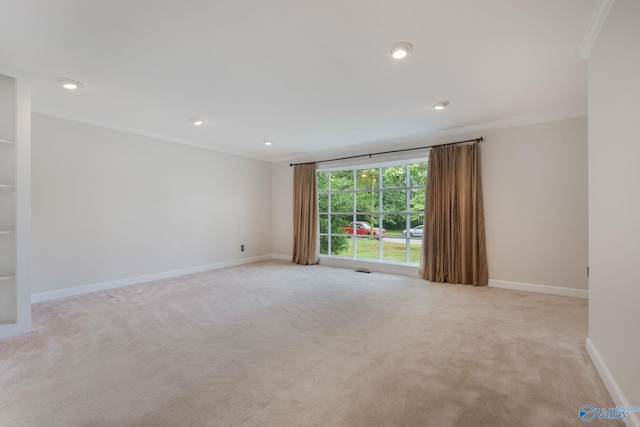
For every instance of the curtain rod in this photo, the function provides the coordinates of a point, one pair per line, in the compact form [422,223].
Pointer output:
[388,152]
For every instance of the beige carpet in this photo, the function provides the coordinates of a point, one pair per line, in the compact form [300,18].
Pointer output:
[274,344]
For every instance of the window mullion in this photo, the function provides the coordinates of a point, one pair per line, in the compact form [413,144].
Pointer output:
[407,241]
[329,229]
[354,234]
[380,218]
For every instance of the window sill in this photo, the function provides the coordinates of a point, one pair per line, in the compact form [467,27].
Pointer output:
[379,267]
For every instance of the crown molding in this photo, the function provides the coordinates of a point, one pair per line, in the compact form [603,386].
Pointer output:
[595,26]
[524,120]
[453,132]
[436,137]
[159,137]
[11,71]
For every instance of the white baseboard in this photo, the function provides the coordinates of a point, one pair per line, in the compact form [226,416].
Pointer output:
[12,330]
[85,289]
[543,289]
[390,268]
[633,420]
[412,271]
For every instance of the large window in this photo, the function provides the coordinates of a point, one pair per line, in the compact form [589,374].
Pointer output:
[373,212]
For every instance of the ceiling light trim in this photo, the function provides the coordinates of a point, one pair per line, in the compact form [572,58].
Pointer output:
[441,105]
[595,26]
[69,84]
[400,50]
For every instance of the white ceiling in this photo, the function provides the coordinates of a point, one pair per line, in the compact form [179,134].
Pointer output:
[313,76]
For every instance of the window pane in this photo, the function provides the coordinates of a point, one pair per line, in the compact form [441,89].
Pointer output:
[416,250]
[368,218]
[324,223]
[394,224]
[341,180]
[416,220]
[367,202]
[394,201]
[342,202]
[418,172]
[323,180]
[324,245]
[367,179]
[369,226]
[368,248]
[339,221]
[342,245]
[323,202]
[394,249]
[416,232]
[417,200]
[394,177]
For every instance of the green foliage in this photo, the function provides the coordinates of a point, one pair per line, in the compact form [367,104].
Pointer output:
[339,245]
[367,179]
[418,174]
[394,177]
[341,180]
[323,181]
[342,202]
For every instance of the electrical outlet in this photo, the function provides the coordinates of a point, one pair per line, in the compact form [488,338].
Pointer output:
[242,248]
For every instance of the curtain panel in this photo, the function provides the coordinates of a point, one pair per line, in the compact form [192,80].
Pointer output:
[454,248]
[305,215]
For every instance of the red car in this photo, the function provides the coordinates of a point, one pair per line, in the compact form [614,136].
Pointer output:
[363,228]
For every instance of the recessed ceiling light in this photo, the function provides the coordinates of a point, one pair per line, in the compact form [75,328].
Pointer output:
[401,50]
[69,84]
[268,142]
[441,105]
[197,122]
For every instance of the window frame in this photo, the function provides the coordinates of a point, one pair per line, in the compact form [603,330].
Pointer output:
[380,189]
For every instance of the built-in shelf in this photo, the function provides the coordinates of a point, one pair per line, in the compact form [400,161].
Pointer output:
[15,201]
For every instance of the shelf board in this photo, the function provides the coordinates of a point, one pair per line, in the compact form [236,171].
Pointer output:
[6,232]
[6,141]
[7,186]
[7,277]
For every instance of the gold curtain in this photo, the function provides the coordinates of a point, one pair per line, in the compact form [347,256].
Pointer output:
[454,248]
[305,215]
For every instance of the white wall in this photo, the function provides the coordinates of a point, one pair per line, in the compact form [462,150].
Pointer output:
[535,193]
[534,180]
[109,205]
[614,201]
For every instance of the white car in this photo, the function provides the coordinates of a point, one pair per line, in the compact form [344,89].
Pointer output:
[414,232]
